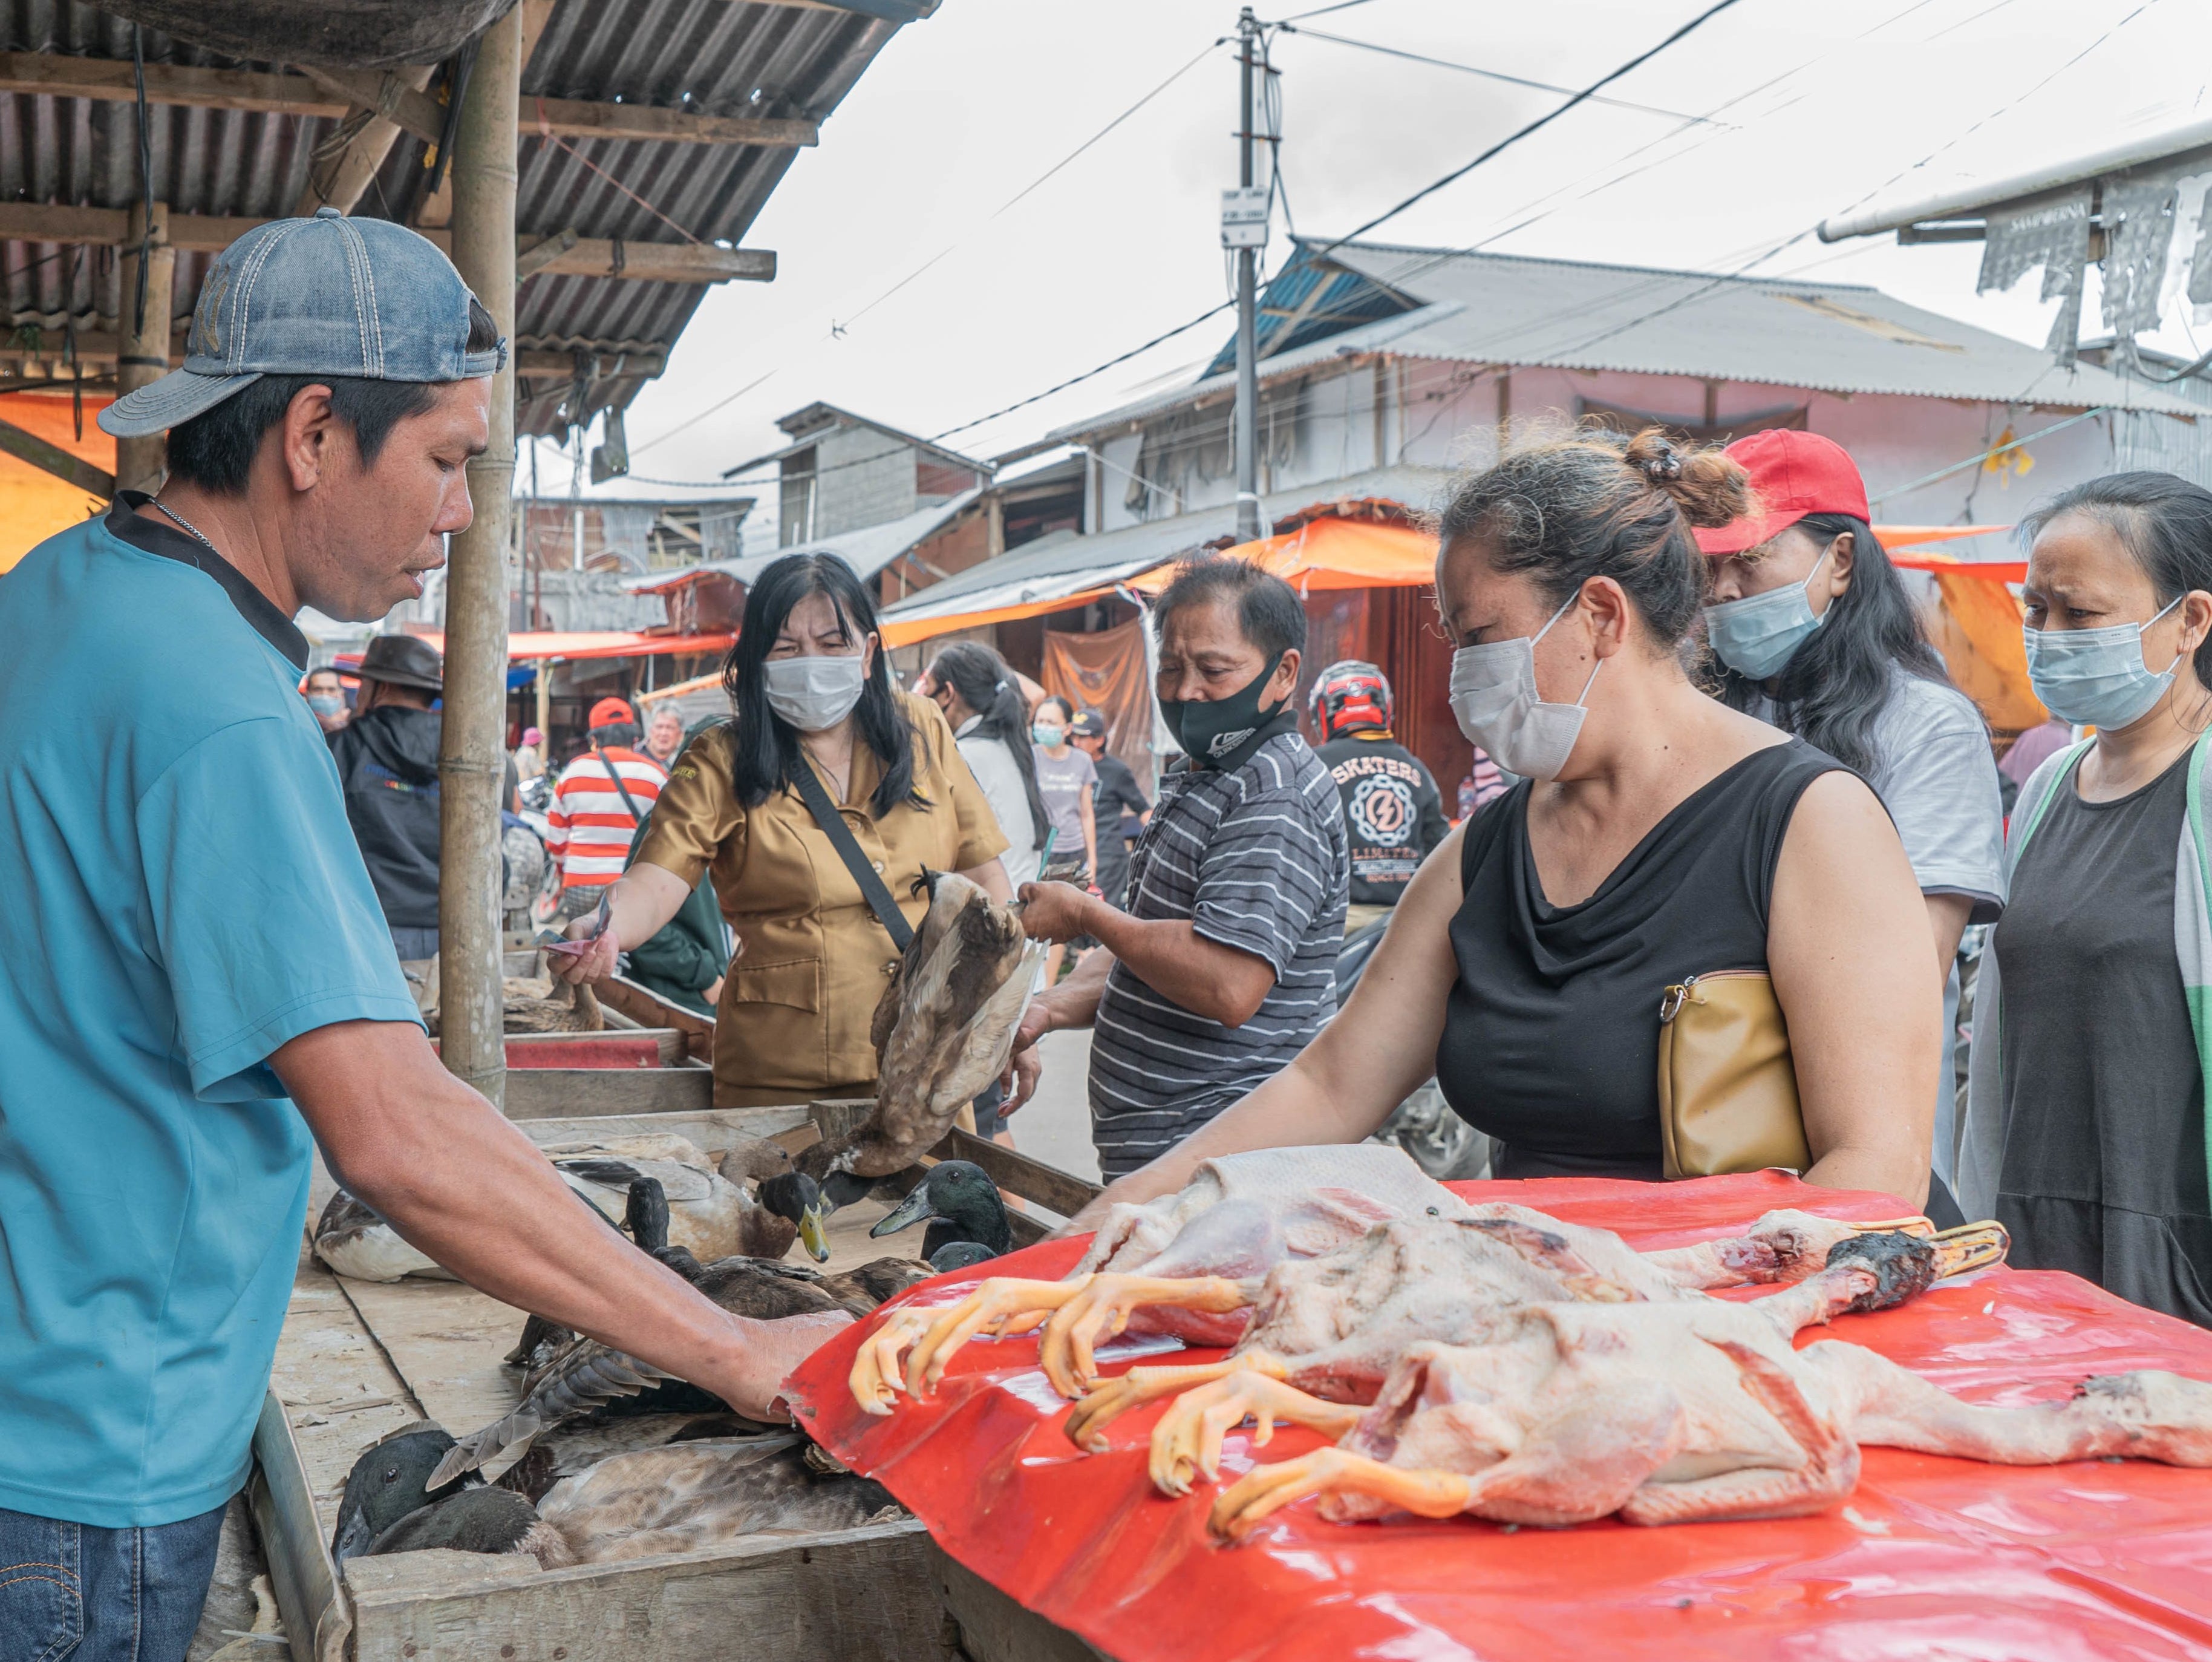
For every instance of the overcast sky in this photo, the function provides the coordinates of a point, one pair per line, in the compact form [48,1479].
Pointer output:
[1809,108]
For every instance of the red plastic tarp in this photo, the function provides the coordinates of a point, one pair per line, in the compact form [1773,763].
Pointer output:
[1932,1558]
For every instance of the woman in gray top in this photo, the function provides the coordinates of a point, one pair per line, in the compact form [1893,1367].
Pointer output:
[2085,1133]
[1815,633]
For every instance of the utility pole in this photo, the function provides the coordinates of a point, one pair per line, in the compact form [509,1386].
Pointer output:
[1240,232]
[472,753]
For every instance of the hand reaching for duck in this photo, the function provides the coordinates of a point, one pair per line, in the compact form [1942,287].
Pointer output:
[764,1357]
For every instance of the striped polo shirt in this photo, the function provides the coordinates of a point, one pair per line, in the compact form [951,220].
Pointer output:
[589,826]
[1255,858]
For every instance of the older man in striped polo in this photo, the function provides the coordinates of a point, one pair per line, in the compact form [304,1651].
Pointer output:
[1223,966]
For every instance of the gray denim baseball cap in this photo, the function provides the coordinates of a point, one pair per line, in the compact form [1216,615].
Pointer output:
[328,295]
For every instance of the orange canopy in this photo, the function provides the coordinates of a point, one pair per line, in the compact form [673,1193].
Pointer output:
[35,505]
[1332,553]
[531,645]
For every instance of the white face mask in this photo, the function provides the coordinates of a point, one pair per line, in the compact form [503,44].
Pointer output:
[813,693]
[1493,698]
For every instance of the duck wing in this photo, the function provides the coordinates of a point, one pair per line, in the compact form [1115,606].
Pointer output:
[862,1288]
[589,1375]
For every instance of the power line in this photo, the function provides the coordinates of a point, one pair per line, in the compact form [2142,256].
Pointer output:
[1542,121]
[838,329]
[1471,69]
[1072,380]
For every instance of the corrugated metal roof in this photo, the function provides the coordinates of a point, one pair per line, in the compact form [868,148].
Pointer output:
[1111,555]
[867,551]
[711,57]
[1822,337]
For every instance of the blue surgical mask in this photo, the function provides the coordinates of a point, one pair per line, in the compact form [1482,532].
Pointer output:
[2096,677]
[325,703]
[1048,734]
[1759,635]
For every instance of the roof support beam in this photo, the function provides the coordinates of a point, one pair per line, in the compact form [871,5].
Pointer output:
[340,183]
[388,94]
[99,352]
[52,459]
[646,262]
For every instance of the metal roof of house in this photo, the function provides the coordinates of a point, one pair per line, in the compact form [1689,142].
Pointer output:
[1509,310]
[1065,563]
[867,551]
[808,425]
[705,56]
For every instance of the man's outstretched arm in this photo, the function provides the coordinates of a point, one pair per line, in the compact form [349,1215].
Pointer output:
[464,1185]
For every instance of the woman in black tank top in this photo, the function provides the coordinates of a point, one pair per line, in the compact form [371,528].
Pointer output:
[1551,1040]
[1656,835]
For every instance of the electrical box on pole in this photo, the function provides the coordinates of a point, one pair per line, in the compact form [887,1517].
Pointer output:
[1244,216]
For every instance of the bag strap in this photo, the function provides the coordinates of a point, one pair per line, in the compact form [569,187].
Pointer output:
[635,817]
[840,834]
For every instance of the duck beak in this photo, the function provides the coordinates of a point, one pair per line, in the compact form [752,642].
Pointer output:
[914,1209]
[812,1236]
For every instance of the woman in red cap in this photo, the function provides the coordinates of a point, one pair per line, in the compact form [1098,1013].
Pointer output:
[1815,632]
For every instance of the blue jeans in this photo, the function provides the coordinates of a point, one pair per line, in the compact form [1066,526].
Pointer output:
[69,1592]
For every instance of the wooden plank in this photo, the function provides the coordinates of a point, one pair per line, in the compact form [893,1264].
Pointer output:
[862,1595]
[317,1616]
[52,459]
[97,350]
[445,1339]
[642,1004]
[109,80]
[993,1628]
[1018,1174]
[331,93]
[572,1093]
[571,118]
[644,262]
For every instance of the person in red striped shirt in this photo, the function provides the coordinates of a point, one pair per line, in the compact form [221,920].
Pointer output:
[597,805]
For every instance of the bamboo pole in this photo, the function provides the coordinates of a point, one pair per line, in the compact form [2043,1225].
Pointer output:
[144,356]
[471,751]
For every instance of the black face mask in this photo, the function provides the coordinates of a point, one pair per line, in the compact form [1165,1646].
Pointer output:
[1223,732]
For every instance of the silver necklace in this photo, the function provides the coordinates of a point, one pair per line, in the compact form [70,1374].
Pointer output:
[157,502]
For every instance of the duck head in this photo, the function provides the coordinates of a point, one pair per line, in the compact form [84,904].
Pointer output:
[390,1480]
[959,1255]
[795,1195]
[961,1203]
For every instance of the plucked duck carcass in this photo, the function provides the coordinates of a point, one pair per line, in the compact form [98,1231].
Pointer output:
[584,1375]
[1190,1263]
[1668,1413]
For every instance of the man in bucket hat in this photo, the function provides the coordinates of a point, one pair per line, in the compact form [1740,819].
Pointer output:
[195,974]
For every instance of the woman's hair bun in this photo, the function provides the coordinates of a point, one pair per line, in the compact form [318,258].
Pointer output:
[1708,485]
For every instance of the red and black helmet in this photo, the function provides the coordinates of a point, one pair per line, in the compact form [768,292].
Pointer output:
[1349,695]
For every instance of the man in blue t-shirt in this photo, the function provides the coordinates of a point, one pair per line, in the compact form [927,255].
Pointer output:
[195,974]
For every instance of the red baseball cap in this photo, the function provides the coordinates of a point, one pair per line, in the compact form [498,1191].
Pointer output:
[609,711]
[1792,474]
